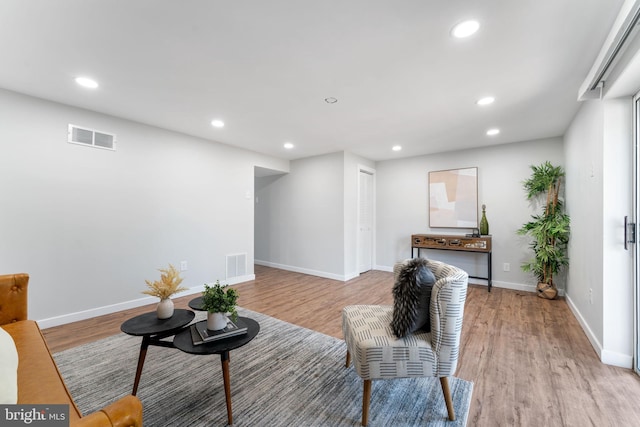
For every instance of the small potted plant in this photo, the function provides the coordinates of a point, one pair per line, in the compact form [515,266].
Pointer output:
[219,302]
[168,285]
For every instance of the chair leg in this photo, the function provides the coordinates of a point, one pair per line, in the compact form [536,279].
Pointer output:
[348,359]
[444,382]
[366,398]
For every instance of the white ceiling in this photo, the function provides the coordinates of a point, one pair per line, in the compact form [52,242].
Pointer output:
[265,68]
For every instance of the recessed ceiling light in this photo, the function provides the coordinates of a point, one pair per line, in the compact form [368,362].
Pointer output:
[493,131]
[87,82]
[396,148]
[486,100]
[330,100]
[288,145]
[465,29]
[217,123]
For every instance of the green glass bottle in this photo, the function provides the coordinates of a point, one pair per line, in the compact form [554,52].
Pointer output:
[484,224]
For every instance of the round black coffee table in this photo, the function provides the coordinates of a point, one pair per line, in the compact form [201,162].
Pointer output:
[153,330]
[184,342]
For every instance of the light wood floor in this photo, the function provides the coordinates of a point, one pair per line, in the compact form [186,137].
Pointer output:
[529,360]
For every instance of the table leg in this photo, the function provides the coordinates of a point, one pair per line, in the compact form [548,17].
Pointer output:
[143,353]
[224,357]
[489,266]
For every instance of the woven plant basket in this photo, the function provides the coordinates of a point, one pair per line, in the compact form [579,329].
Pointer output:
[547,290]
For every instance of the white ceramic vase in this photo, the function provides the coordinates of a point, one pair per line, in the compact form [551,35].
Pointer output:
[216,321]
[165,308]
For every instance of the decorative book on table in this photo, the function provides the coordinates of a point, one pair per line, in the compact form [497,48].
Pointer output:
[200,334]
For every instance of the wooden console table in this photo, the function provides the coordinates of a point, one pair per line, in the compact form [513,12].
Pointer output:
[455,243]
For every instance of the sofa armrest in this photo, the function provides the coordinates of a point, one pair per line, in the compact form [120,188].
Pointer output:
[126,412]
[13,297]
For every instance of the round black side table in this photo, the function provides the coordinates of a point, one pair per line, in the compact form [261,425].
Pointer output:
[184,342]
[153,330]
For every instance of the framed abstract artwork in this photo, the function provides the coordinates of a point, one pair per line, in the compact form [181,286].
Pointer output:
[453,198]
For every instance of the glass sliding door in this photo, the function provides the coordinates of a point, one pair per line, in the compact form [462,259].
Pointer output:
[633,229]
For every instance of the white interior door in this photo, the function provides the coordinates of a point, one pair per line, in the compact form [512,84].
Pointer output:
[365,221]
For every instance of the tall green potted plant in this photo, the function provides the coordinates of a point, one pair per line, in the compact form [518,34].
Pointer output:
[549,230]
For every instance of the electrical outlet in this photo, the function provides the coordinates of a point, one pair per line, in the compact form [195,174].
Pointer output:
[506,267]
[183,266]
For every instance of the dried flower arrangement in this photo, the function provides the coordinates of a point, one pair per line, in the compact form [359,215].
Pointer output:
[168,285]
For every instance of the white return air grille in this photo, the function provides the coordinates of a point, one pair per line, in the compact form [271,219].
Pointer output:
[236,265]
[91,138]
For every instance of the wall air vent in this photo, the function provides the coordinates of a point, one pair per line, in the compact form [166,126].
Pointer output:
[236,265]
[91,138]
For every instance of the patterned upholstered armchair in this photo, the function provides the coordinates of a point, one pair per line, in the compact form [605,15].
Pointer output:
[379,354]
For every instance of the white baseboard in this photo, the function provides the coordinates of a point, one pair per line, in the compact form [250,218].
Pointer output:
[494,283]
[384,268]
[303,270]
[585,327]
[617,359]
[511,285]
[351,276]
[606,356]
[113,308]
[239,279]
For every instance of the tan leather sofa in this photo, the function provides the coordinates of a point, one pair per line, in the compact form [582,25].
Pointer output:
[39,381]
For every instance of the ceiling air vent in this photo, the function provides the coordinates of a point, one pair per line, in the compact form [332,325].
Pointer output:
[91,138]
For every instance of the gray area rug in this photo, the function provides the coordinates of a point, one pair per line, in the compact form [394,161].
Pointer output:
[287,376]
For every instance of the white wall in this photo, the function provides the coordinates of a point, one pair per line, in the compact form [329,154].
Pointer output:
[583,148]
[306,220]
[402,205]
[617,294]
[300,217]
[599,152]
[91,225]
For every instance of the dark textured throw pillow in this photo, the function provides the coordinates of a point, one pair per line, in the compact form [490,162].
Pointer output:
[412,298]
